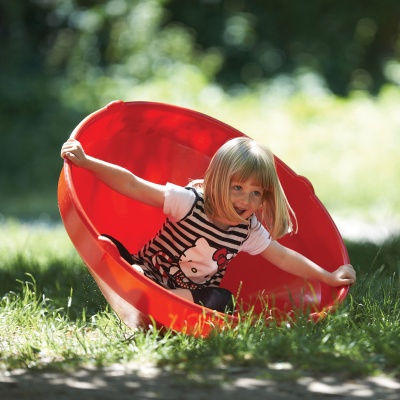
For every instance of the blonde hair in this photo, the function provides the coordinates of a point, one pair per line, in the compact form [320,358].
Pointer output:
[240,159]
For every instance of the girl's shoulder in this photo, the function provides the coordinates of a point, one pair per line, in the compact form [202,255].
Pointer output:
[197,185]
[259,238]
[179,201]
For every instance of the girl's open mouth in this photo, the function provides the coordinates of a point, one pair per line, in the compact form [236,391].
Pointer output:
[239,211]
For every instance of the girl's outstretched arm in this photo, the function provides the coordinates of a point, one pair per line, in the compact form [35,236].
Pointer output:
[295,263]
[117,178]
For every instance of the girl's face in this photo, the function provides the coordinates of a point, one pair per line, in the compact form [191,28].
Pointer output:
[246,198]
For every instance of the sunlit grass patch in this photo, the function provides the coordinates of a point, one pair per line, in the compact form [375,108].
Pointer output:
[347,148]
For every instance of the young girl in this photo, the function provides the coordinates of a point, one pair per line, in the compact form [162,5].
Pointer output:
[239,206]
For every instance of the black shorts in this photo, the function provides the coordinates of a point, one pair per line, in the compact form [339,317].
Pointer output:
[216,298]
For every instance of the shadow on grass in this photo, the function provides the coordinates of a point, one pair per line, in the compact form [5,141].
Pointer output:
[70,287]
[369,257]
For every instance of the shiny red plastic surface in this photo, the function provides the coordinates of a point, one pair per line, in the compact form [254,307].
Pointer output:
[161,143]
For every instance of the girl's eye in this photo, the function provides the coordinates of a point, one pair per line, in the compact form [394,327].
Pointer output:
[257,193]
[237,187]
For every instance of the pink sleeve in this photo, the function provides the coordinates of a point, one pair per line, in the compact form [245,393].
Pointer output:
[258,240]
[178,202]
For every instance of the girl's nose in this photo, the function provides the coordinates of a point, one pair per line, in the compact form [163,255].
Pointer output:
[244,198]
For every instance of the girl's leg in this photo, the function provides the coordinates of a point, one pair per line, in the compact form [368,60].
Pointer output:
[125,254]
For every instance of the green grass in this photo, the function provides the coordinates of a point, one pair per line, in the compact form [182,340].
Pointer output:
[45,252]
[52,316]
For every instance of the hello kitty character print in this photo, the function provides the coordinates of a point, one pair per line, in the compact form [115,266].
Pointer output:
[198,265]
[189,251]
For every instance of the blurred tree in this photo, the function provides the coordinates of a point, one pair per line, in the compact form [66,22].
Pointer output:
[29,105]
[347,43]
[62,59]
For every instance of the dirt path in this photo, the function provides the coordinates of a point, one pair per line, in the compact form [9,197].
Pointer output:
[136,382]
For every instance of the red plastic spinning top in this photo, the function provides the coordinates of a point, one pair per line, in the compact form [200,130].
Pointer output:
[164,143]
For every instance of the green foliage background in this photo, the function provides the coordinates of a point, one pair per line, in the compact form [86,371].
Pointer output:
[236,60]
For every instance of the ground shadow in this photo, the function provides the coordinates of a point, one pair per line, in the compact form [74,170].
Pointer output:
[147,382]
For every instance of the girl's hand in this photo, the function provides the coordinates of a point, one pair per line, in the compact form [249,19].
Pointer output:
[344,275]
[73,151]
[117,178]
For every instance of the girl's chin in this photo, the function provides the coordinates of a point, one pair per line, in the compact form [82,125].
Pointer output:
[224,224]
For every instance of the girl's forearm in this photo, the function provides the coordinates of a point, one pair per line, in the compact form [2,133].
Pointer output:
[114,176]
[301,266]
[125,182]
[295,263]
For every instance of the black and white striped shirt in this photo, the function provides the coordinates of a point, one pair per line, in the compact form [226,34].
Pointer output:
[191,252]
